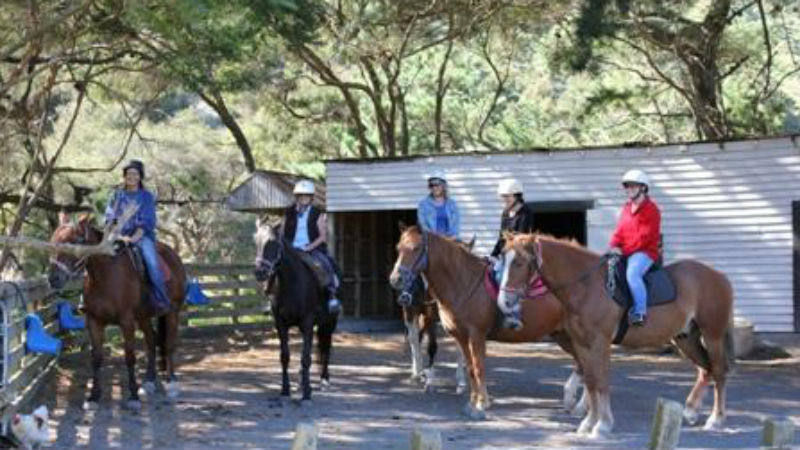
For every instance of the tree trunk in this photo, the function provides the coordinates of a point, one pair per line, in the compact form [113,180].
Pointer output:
[217,102]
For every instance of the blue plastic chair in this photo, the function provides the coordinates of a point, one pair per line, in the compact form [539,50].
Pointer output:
[195,295]
[67,319]
[37,340]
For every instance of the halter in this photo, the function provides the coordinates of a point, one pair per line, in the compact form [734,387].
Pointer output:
[79,265]
[409,274]
[536,263]
[267,264]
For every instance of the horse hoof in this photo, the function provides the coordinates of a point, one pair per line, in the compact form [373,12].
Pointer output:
[148,388]
[690,416]
[90,405]
[585,427]
[133,405]
[173,389]
[474,413]
[713,423]
[461,388]
[601,431]
[324,385]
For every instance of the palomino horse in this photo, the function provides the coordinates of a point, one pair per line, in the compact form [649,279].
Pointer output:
[114,292]
[467,310]
[420,315]
[698,322]
[299,301]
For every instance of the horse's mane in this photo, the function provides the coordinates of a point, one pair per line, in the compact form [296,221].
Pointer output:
[460,246]
[530,239]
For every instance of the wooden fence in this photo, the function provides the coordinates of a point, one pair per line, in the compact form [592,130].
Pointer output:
[22,372]
[234,294]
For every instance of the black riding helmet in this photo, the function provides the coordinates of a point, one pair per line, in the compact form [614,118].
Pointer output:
[134,164]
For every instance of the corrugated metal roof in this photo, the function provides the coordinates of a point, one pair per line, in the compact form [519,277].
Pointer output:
[268,191]
[728,205]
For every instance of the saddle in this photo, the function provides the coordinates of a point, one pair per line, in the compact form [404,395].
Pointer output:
[323,277]
[138,262]
[660,290]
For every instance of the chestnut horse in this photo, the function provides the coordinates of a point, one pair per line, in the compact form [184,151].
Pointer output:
[698,322]
[466,309]
[114,292]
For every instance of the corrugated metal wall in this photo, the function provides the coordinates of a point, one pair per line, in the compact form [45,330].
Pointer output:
[728,205]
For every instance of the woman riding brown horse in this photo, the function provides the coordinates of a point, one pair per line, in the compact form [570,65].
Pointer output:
[466,309]
[115,292]
[698,322]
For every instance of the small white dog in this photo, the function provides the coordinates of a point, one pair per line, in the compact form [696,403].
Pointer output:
[31,430]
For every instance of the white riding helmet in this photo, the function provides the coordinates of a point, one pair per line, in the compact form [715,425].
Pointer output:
[437,175]
[636,176]
[510,186]
[304,187]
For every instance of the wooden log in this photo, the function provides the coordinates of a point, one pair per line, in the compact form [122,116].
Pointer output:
[666,425]
[306,436]
[426,439]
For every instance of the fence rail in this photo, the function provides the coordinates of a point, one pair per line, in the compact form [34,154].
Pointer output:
[22,372]
[234,294]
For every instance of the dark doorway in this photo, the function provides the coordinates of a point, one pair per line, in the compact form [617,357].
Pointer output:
[561,219]
[796,262]
[364,247]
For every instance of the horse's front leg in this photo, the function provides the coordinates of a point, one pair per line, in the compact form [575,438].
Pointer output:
[128,333]
[96,338]
[478,349]
[283,337]
[461,369]
[305,362]
[149,384]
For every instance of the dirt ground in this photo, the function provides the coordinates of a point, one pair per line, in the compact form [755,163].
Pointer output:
[230,383]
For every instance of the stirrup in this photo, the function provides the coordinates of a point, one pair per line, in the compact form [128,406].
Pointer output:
[512,322]
[334,306]
[636,320]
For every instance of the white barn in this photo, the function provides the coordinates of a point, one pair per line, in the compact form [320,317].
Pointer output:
[734,205]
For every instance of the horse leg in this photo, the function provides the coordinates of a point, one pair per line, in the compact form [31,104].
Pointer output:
[96,336]
[719,372]
[461,377]
[575,381]
[433,347]
[305,361]
[695,398]
[324,344]
[128,326]
[283,336]
[414,338]
[149,384]
[691,346]
[171,323]
[477,348]
[600,360]
[583,354]
[463,346]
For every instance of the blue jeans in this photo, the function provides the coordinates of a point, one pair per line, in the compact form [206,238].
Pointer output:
[329,266]
[638,264]
[158,287]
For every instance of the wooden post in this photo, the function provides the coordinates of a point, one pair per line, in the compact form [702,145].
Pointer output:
[666,425]
[778,434]
[426,439]
[305,436]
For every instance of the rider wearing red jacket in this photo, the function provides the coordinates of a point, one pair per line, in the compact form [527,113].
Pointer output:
[636,238]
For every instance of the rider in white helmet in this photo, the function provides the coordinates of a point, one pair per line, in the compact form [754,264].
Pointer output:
[305,226]
[637,238]
[516,217]
[437,212]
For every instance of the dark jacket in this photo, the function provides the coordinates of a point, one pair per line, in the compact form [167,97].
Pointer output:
[290,224]
[520,222]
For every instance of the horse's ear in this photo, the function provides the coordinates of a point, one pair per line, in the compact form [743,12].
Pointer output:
[85,218]
[64,218]
[403,227]
[471,242]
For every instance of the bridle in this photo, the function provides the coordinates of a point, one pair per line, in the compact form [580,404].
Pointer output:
[79,265]
[409,274]
[270,265]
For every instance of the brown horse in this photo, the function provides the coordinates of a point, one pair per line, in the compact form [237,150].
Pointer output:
[698,322]
[114,292]
[466,309]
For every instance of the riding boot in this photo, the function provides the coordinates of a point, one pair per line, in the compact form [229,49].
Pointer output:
[334,304]
[512,321]
[636,319]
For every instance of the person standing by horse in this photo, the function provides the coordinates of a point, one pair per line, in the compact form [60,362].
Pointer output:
[516,217]
[636,238]
[437,212]
[305,227]
[140,230]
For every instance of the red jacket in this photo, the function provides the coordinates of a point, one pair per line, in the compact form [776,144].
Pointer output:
[638,231]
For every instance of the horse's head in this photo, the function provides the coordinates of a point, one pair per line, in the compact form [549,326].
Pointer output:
[522,263]
[64,267]
[269,250]
[412,258]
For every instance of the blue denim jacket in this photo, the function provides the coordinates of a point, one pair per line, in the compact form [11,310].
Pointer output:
[145,217]
[426,216]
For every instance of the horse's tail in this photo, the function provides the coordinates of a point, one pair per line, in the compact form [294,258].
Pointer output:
[730,353]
